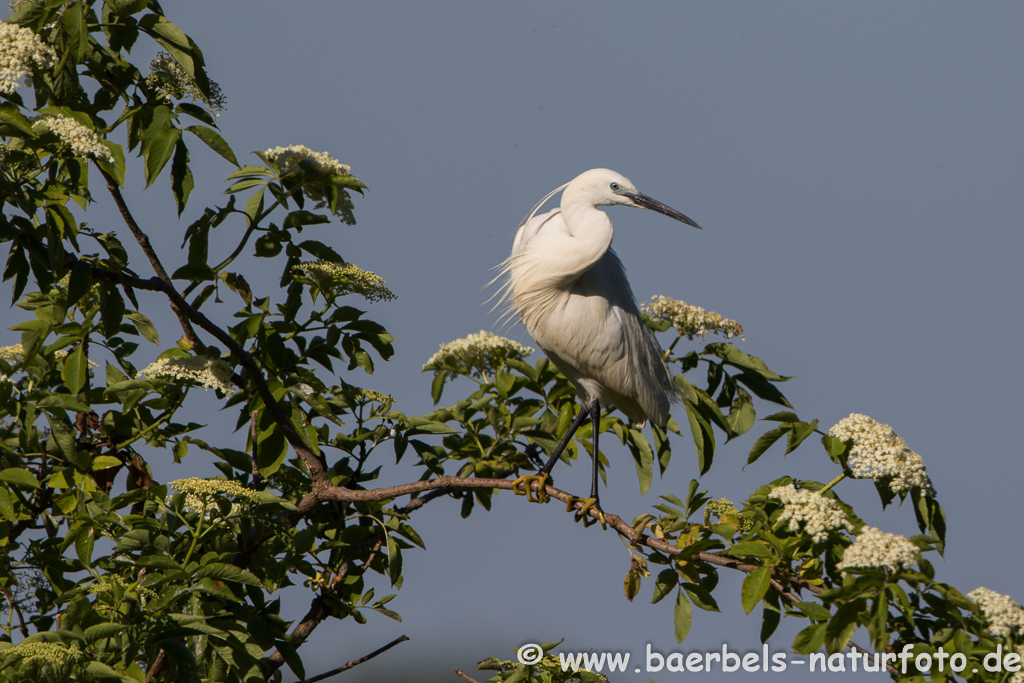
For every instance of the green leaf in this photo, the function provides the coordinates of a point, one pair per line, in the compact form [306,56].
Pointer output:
[810,639]
[733,356]
[394,561]
[100,631]
[750,549]
[814,610]
[755,585]
[631,584]
[840,628]
[84,545]
[228,572]
[643,457]
[799,432]
[182,182]
[19,477]
[159,152]
[214,141]
[703,436]
[297,219]
[76,369]
[663,585]
[10,116]
[765,441]
[683,616]
[76,31]
[145,326]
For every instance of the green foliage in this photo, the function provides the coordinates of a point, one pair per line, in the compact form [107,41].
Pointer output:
[108,574]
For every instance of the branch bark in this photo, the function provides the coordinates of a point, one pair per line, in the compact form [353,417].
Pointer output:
[147,249]
[355,662]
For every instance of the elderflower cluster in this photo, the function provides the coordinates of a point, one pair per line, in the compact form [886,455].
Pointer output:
[723,508]
[82,141]
[346,278]
[10,353]
[112,583]
[167,76]
[365,396]
[477,355]
[817,514]
[319,170]
[210,373]
[877,549]
[15,352]
[288,160]
[1019,676]
[50,655]
[20,51]
[200,492]
[878,453]
[692,321]
[1004,616]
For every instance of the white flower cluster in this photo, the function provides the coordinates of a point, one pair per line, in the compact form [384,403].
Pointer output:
[50,655]
[878,453]
[199,493]
[346,278]
[289,158]
[13,354]
[206,372]
[477,355]
[1004,616]
[878,549]
[167,76]
[319,170]
[817,514]
[692,321]
[20,50]
[83,141]
[1019,676]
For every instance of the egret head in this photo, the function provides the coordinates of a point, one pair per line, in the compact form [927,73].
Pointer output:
[604,187]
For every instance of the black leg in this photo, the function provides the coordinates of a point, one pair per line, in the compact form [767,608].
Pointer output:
[577,421]
[595,416]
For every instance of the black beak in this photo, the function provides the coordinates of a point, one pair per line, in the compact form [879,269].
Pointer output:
[645,202]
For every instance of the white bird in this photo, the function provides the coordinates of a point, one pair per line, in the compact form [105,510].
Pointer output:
[570,291]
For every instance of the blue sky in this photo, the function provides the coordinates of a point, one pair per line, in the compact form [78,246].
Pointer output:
[857,169]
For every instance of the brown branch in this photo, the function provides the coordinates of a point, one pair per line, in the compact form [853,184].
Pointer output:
[17,610]
[157,663]
[277,413]
[147,249]
[322,489]
[355,662]
[461,674]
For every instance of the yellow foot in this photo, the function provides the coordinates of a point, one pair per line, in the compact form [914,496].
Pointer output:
[526,482]
[581,514]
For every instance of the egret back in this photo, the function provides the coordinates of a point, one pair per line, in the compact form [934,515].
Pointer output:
[571,292]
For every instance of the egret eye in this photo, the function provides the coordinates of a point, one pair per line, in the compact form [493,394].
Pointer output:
[615,187]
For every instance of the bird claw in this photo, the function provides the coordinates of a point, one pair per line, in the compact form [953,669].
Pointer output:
[526,482]
[581,514]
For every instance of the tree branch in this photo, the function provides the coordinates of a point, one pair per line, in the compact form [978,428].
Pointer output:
[277,413]
[147,249]
[323,490]
[355,662]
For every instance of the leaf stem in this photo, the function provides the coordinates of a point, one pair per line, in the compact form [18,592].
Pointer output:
[832,483]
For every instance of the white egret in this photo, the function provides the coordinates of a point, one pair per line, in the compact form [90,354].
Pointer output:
[570,291]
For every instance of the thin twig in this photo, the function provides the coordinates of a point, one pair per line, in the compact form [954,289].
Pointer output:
[157,663]
[355,662]
[147,249]
[462,674]
[17,610]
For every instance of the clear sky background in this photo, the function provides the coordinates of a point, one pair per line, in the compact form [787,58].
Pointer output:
[858,169]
